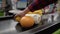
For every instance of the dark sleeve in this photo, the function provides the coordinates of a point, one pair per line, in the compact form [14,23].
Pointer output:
[39,4]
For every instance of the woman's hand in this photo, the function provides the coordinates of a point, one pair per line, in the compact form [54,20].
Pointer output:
[23,12]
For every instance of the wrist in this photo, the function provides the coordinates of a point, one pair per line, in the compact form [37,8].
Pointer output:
[26,10]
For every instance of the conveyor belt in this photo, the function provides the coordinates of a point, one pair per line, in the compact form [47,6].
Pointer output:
[8,27]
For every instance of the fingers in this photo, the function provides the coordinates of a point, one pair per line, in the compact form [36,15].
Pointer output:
[17,17]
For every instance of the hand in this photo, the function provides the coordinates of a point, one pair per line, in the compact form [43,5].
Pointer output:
[20,14]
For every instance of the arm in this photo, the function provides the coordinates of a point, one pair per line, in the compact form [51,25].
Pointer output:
[38,4]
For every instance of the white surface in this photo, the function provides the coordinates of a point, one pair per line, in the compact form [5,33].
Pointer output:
[16,11]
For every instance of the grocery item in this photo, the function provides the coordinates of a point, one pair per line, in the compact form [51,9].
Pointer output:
[37,17]
[58,6]
[27,21]
[49,9]
[30,13]
[38,12]
[17,18]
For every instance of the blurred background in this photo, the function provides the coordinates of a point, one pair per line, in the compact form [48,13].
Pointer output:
[7,5]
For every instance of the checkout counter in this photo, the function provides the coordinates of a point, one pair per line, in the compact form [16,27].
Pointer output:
[9,26]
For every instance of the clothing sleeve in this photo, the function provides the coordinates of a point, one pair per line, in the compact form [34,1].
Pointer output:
[39,4]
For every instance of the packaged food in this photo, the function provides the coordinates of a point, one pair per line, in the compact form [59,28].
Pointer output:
[36,17]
